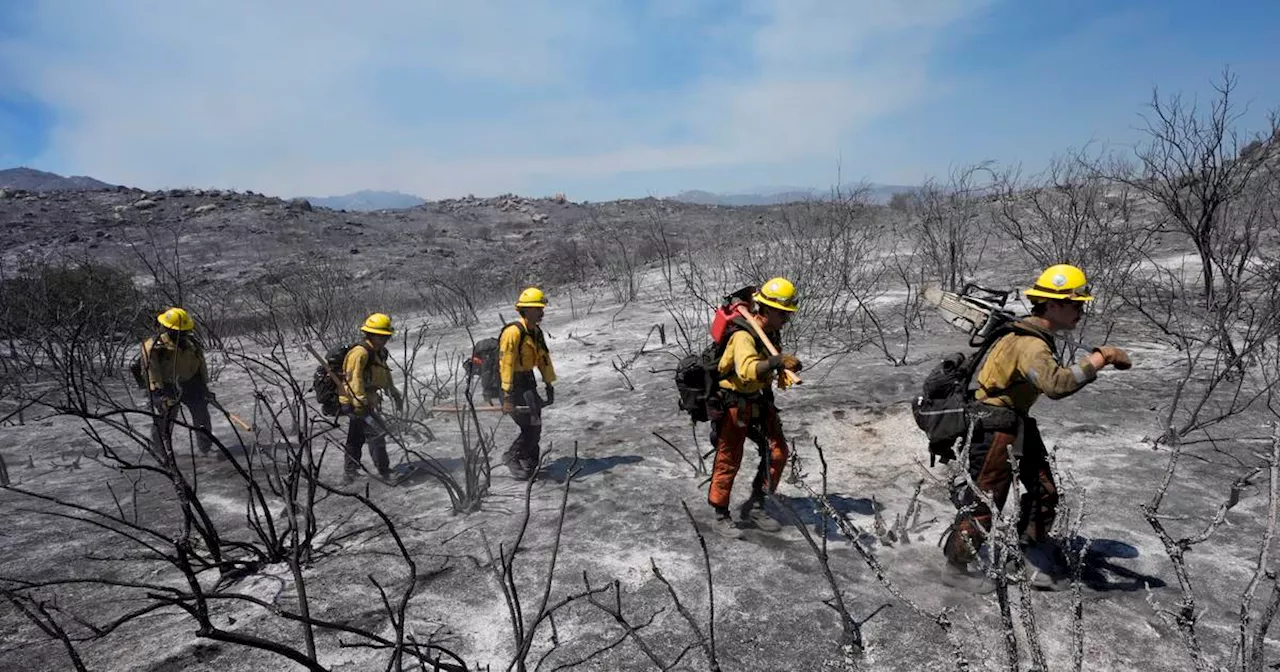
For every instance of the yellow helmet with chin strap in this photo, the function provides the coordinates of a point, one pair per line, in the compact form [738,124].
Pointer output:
[1058,282]
[177,319]
[778,293]
[378,323]
[532,297]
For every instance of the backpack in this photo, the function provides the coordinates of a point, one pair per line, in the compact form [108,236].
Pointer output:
[484,364]
[323,384]
[698,375]
[942,411]
[484,360]
[139,377]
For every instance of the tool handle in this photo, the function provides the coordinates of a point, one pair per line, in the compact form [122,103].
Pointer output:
[239,421]
[462,409]
[234,418]
[337,379]
[790,376]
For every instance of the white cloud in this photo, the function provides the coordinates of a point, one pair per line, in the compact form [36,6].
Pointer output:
[443,98]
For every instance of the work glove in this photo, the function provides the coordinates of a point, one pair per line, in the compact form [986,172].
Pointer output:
[399,402]
[785,361]
[210,397]
[791,362]
[551,396]
[508,405]
[1114,356]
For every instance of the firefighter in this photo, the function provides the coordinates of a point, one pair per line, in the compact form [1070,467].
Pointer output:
[1019,368]
[367,376]
[174,365]
[745,409]
[522,348]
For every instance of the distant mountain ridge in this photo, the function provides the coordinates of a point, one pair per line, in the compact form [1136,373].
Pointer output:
[30,179]
[367,201]
[879,193]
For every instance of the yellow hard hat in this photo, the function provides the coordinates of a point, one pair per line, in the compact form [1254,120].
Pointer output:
[532,297]
[778,293]
[1060,281]
[176,318]
[378,323]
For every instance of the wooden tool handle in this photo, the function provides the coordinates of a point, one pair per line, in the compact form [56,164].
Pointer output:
[240,421]
[790,376]
[464,409]
[237,420]
[336,377]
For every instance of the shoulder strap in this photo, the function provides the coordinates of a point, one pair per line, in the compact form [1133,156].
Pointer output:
[976,362]
[368,357]
[539,339]
[524,332]
[739,323]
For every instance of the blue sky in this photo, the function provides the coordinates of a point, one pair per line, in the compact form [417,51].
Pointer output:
[599,99]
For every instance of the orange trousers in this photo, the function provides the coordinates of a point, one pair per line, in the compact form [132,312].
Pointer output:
[758,421]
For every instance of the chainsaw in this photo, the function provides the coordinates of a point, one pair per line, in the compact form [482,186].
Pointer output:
[976,310]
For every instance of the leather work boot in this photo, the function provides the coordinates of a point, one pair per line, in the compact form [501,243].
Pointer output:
[753,514]
[971,581]
[513,465]
[518,471]
[725,526]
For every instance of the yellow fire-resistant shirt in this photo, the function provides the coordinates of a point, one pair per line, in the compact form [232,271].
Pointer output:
[517,355]
[1021,367]
[169,364]
[738,365]
[366,375]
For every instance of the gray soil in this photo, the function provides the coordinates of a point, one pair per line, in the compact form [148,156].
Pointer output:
[624,513]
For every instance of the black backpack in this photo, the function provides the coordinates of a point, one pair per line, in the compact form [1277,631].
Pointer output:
[697,381]
[698,375]
[323,384]
[139,377]
[484,360]
[942,411]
